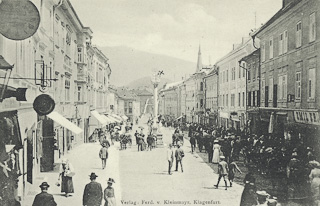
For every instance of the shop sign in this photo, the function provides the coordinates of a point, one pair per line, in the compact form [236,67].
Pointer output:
[307,117]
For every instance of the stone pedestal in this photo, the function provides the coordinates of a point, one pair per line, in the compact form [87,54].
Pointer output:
[156,131]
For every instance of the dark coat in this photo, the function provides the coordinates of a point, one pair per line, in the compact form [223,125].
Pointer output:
[92,195]
[44,199]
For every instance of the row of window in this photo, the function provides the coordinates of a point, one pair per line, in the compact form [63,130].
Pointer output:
[224,100]
[283,39]
[283,85]
[236,72]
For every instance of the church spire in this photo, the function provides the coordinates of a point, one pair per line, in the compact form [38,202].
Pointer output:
[199,63]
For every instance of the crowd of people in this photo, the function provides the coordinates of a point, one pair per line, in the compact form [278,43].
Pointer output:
[269,155]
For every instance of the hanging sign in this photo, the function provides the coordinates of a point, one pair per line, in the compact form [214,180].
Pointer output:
[19,19]
[307,117]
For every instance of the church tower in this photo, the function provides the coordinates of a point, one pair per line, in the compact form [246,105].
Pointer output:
[199,63]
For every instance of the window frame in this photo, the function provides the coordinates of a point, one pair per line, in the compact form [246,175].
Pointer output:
[312,27]
[298,85]
[299,34]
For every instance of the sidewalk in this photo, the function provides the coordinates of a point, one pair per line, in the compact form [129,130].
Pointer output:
[85,159]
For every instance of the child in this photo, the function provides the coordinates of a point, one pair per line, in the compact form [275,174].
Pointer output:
[233,167]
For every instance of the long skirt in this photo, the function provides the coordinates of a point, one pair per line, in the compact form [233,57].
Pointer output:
[111,201]
[67,184]
[216,156]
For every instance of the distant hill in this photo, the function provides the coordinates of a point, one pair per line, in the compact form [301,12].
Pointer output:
[145,82]
[129,65]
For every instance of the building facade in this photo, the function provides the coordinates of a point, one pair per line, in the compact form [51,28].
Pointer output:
[211,97]
[54,61]
[289,49]
[232,86]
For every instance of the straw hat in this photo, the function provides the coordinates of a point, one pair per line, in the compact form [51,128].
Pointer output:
[262,193]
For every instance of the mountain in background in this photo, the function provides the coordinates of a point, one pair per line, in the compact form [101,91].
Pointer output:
[129,65]
[145,83]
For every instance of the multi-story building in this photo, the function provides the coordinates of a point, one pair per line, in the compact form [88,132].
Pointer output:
[182,101]
[190,88]
[289,49]
[211,97]
[112,99]
[251,64]
[58,50]
[170,100]
[145,99]
[232,86]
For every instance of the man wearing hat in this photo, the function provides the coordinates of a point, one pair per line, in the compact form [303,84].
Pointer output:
[109,196]
[262,198]
[44,198]
[92,195]
[179,154]
[103,154]
[223,171]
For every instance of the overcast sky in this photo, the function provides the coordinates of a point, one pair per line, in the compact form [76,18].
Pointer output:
[174,27]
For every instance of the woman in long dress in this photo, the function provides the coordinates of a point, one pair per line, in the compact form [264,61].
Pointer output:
[216,152]
[66,173]
[109,196]
[315,182]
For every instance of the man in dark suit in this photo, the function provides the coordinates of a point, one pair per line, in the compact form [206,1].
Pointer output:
[92,195]
[179,154]
[44,198]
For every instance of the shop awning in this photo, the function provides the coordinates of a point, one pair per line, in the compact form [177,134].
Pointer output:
[99,117]
[116,117]
[58,118]
[124,117]
[179,117]
[109,120]
[113,119]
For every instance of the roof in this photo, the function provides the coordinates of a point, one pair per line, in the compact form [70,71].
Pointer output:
[282,11]
[126,94]
[173,84]
[241,46]
[254,53]
[143,92]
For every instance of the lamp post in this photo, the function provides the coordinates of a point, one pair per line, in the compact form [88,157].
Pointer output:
[245,120]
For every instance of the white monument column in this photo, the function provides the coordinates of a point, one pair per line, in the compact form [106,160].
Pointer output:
[155,127]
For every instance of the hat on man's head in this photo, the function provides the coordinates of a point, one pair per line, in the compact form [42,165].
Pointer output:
[111,180]
[262,193]
[44,185]
[216,141]
[93,175]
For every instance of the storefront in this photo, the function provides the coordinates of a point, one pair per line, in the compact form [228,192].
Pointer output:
[224,119]
[305,125]
[10,160]
[254,122]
